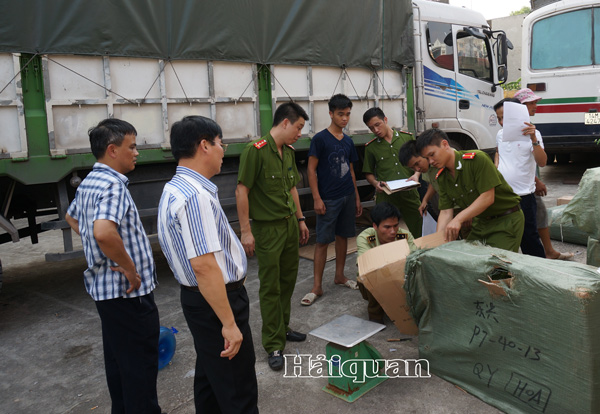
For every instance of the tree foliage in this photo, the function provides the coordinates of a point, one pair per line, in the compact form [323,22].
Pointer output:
[524,10]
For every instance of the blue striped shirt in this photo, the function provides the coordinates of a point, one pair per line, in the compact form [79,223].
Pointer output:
[103,195]
[192,223]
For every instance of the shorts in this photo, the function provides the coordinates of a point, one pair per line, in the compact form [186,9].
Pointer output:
[541,213]
[339,219]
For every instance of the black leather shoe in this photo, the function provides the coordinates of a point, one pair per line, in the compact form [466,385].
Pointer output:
[275,360]
[294,336]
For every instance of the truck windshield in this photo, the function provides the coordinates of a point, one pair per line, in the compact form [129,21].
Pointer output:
[566,40]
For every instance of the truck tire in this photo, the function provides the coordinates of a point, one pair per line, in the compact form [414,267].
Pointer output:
[562,158]
[0,275]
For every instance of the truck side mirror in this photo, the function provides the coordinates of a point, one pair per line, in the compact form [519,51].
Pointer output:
[502,49]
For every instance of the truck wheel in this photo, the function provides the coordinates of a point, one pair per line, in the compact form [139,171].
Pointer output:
[563,158]
[0,275]
[455,145]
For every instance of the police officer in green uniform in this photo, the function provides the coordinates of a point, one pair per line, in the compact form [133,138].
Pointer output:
[386,220]
[469,180]
[381,164]
[267,194]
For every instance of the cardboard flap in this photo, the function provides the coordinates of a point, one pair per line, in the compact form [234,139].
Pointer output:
[431,240]
[382,255]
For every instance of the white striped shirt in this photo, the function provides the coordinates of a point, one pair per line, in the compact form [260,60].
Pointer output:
[103,195]
[192,223]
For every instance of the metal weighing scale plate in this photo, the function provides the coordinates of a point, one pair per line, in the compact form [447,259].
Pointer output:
[347,330]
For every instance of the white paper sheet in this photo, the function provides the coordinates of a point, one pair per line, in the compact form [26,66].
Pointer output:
[402,184]
[515,116]
[429,224]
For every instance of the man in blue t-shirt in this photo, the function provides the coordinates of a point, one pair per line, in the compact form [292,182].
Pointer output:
[333,186]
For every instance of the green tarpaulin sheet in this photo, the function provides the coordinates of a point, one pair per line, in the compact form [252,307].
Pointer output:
[354,33]
[527,342]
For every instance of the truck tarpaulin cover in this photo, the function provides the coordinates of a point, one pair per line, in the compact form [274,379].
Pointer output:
[519,332]
[332,32]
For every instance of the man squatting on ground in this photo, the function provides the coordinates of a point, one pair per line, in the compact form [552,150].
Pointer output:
[381,164]
[209,262]
[517,161]
[469,180]
[386,221]
[121,273]
[267,194]
[331,159]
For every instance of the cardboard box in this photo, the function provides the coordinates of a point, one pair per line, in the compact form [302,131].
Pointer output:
[381,270]
[563,200]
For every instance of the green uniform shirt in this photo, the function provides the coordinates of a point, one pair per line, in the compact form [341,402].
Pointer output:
[429,177]
[472,177]
[269,178]
[367,239]
[381,158]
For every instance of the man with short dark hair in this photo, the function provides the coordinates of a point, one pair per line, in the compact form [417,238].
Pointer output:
[386,229]
[267,194]
[381,164]
[469,180]
[331,159]
[121,273]
[409,157]
[208,261]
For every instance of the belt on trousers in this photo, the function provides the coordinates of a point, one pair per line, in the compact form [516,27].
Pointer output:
[228,287]
[506,213]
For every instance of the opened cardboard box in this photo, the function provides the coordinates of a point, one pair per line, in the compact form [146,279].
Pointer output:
[381,270]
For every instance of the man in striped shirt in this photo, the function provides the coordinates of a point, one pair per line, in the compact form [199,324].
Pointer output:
[121,274]
[209,262]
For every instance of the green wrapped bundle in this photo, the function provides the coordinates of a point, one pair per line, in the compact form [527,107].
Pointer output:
[564,231]
[583,209]
[519,332]
[593,252]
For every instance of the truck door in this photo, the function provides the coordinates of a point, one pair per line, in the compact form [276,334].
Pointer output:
[474,80]
[439,76]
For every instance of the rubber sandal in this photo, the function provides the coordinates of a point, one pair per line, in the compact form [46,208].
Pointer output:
[308,299]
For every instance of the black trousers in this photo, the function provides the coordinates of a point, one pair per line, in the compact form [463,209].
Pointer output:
[531,243]
[221,385]
[130,331]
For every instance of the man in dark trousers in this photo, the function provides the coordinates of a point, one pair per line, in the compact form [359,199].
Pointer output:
[121,274]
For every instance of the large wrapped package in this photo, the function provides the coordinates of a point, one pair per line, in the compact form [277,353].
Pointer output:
[564,232]
[519,332]
[593,252]
[583,211]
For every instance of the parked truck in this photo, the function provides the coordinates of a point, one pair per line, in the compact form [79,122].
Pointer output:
[561,63]
[426,64]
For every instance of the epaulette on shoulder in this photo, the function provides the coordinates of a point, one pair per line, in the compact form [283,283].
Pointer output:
[406,132]
[400,236]
[370,141]
[371,239]
[260,144]
[468,155]
[290,146]
[439,172]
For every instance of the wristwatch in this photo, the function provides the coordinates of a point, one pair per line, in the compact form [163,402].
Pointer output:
[301,219]
[536,143]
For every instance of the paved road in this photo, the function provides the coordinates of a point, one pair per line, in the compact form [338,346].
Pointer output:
[51,352]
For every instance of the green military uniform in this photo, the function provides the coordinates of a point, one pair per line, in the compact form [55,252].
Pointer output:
[429,178]
[501,224]
[366,240]
[275,228]
[381,160]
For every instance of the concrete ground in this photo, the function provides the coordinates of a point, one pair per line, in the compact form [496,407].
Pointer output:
[51,351]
